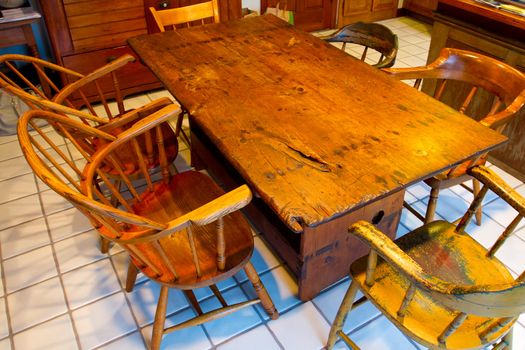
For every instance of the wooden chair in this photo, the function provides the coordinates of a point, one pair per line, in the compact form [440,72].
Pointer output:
[108,117]
[186,15]
[370,35]
[437,284]
[182,231]
[483,75]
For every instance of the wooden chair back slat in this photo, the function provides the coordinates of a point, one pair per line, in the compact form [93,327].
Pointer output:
[186,15]
[99,195]
[142,165]
[138,254]
[162,253]
[45,81]
[118,93]
[53,161]
[191,239]
[440,88]
[363,55]
[114,192]
[86,145]
[102,99]
[221,245]
[468,99]
[495,106]
[148,142]
[163,160]
[24,79]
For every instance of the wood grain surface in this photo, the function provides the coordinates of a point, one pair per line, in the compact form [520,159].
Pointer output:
[314,132]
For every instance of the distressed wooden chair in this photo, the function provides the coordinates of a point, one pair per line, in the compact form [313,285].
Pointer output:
[185,15]
[181,230]
[481,74]
[372,36]
[437,284]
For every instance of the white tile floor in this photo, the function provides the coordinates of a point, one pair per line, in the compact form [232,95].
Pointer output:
[57,291]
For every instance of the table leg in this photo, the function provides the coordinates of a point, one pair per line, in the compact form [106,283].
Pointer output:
[30,40]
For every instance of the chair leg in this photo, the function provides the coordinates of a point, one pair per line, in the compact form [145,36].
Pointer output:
[432,203]
[160,318]
[266,301]
[344,309]
[104,245]
[475,189]
[131,277]
[193,301]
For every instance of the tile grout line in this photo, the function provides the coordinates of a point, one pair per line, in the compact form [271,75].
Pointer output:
[6,304]
[57,266]
[128,302]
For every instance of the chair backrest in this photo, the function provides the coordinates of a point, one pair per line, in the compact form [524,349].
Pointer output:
[119,214]
[46,94]
[186,14]
[370,35]
[504,82]
[100,86]
[33,75]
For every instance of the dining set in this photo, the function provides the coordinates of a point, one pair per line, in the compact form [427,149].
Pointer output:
[293,136]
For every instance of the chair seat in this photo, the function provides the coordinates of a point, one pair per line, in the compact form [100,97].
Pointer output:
[440,251]
[169,201]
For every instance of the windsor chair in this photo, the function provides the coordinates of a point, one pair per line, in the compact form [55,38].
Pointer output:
[437,284]
[181,230]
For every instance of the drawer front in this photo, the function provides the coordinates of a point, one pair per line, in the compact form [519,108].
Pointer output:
[130,77]
[101,24]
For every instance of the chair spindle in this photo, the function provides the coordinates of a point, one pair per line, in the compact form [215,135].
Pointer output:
[452,327]
[506,234]
[411,291]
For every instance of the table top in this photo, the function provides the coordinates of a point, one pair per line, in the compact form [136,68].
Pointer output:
[315,132]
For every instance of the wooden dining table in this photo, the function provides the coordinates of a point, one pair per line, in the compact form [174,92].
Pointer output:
[321,138]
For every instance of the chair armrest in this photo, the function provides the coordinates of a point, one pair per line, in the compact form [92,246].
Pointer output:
[226,204]
[393,255]
[133,115]
[44,104]
[410,72]
[100,72]
[496,120]
[498,186]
